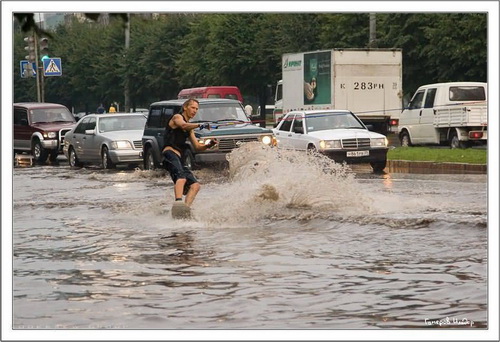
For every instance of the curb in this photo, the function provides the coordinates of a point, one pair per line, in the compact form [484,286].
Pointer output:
[405,166]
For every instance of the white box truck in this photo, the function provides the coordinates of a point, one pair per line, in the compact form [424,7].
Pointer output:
[368,82]
[454,113]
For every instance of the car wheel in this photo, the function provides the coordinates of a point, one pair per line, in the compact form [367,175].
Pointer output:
[189,160]
[455,143]
[405,139]
[73,159]
[53,155]
[106,160]
[311,149]
[149,160]
[378,166]
[39,153]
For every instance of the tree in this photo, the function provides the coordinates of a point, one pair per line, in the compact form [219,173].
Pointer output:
[244,49]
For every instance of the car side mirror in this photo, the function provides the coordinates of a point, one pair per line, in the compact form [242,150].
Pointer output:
[90,131]
[369,127]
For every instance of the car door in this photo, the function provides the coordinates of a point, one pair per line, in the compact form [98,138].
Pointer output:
[76,138]
[22,132]
[427,131]
[91,143]
[282,132]
[410,118]
[298,140]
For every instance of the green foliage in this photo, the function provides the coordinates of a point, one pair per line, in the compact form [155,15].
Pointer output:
[437,47]
[180,50]
[443,155]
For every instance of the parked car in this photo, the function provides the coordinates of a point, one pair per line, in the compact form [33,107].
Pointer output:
[338,134]
[39,128]
[106,139]
[229,125]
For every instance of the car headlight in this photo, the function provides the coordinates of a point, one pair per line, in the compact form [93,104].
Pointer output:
[330,144]
[268,140]
[121,144]
[378,142]
[50,135]
[206,141]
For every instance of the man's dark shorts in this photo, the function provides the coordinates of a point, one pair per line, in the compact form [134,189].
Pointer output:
[177,170]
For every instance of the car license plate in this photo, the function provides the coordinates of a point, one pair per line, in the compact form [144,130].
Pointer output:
[358,153]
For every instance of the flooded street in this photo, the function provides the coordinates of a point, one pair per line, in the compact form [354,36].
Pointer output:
[278,242]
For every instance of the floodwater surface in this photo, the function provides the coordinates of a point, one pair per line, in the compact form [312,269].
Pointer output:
[279,240]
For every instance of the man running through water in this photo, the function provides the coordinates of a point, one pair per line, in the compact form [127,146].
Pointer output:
[178,130]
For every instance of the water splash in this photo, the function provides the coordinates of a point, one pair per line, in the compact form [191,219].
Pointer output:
[270,183]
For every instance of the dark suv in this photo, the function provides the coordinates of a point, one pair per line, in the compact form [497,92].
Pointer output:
[39,128]
[229,125]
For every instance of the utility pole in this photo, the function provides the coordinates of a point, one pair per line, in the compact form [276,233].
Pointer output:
[127,45]
[372,43]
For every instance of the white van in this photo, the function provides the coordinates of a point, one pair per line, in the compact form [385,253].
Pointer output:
[454,113]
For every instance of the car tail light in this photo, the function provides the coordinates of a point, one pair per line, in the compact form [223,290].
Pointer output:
[393,122]
[475,135]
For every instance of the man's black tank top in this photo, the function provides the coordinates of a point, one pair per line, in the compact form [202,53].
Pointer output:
[176,138]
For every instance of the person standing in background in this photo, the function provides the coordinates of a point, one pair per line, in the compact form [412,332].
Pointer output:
[100,109]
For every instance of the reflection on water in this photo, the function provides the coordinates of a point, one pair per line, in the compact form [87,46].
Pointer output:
[279,241]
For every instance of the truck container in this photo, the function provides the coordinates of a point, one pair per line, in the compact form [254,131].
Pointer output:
[368,82]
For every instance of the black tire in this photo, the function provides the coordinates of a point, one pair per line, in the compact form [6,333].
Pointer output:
[455,143]
[106,161]
[405,140]
[73,159]
[189,160]
[39,153]
[379,165]
[311,149]
[150,162]
[53,156]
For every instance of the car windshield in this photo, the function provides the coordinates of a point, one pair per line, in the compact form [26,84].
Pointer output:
[221,112]
[122,123]
[47,115]
[332,120]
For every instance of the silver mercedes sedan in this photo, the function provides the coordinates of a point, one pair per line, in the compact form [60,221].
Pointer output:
[106,139]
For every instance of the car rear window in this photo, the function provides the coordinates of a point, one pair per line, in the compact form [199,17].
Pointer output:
[467,93]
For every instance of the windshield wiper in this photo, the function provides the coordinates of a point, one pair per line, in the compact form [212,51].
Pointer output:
[223,120]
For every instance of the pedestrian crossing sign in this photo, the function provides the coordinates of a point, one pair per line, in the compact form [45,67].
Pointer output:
[52,67]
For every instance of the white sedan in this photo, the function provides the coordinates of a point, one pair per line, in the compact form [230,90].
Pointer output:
[106,139]
[337,133]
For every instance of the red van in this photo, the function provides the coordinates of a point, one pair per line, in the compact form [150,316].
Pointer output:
[222,92]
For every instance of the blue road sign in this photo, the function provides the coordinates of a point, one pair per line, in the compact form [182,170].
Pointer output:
[52,67]
[24,69]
